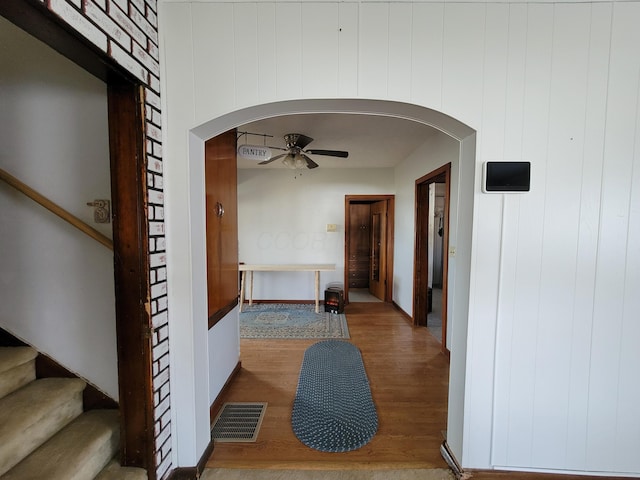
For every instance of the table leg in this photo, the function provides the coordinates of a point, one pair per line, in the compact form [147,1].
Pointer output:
[242,280]
[317,291]
[251,287]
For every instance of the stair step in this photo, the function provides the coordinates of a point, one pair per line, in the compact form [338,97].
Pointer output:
[17,368]
[78,452]
[114,471]
[32,414]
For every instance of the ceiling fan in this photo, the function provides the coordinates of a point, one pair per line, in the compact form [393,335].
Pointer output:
[297,156]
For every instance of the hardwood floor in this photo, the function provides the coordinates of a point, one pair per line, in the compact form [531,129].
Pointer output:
[409,383]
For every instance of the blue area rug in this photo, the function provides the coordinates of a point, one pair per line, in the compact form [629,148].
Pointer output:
[287,320]
[333,410]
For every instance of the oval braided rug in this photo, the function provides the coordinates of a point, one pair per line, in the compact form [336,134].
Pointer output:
[333,410]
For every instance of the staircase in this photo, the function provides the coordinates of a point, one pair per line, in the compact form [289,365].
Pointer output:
[44,434]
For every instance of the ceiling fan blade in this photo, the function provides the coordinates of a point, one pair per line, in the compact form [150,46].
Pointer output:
[300,140]
[332,153]
[310,163]
[265,162]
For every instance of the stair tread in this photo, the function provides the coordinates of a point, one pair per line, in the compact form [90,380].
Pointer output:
[79,451]
[11,357]
[114,471]
[33,413]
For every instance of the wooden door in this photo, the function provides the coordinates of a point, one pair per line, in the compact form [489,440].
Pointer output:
[222,225]
[378,249]
[359,244]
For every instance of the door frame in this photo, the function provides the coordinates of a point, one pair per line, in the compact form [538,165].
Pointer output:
[421,252]
[127,150]
[390,199]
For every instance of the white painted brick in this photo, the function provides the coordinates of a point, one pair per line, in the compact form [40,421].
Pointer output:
[162,304]
[127,61]
[152,98]
[162,332]
[161,378]
[162,407]
[161,273]
[138,4]
[159,181]
[156,228]
[74,18]
[165,390]
[155,197]
[161,244]
[158,260]
[141,21]
[157,150]
[154,165]
[154,132]
[152,5]
[107,25]
[159,350]
[154,83]
[158,290]
[159,213]
[152,17]
[159,319]
[122,19]
[154,51]
[123,4]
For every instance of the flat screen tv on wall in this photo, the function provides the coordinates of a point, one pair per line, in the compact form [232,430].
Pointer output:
[501,177]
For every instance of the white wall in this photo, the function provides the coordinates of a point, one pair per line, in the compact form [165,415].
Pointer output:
[550,349]
[56,283]
[282,218]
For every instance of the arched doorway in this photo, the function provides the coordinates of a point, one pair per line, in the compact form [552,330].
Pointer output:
[193,342]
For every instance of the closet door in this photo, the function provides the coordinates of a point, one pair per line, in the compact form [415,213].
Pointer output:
[359,244]
[222,225]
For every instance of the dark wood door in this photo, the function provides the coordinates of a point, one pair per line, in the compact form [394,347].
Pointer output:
[359,243]
[378,250]
[222,225]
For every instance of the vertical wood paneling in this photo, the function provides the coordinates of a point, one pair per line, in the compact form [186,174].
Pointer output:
[426,51]
[609,438]
[373,60]
[267,68]
[463,52]
[399,83]
[494,81]
[560,233]
[528,72]
[320,36]
[289,50]
[348,50]
[494,99]
[556,268]
[245,39]
[214,59]
[590,190]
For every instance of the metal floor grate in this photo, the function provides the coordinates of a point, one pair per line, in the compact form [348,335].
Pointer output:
[238,422]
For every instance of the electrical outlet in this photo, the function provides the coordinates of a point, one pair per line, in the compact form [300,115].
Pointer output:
[452,251]
[332,227]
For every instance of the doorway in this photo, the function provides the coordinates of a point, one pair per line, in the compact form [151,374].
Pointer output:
[369,245]
[432,245]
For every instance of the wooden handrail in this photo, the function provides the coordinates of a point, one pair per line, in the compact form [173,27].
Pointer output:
[56,209]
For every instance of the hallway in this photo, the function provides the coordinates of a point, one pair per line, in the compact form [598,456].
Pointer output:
[409,382]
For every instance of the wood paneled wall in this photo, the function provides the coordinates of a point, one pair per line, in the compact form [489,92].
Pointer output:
[553,323]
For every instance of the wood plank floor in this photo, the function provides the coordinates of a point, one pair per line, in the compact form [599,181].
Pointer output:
[409,383]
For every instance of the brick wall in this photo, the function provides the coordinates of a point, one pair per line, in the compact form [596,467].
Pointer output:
[127,31]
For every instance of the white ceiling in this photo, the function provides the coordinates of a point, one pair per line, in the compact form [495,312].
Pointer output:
[372,141]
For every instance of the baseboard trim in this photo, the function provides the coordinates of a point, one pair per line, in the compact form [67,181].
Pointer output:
[193,473]
[405,314]
[217,403]
[293,302]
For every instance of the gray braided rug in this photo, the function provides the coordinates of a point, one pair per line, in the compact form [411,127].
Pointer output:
[333,410]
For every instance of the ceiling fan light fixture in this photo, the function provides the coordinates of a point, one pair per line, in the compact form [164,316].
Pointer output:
[299,161]
[289,161]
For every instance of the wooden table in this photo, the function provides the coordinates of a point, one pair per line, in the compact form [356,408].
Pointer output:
[250,268]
